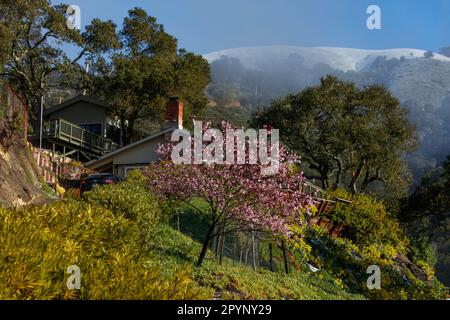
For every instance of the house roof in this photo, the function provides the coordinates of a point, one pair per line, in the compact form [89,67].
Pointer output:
[74,100]
[110,156]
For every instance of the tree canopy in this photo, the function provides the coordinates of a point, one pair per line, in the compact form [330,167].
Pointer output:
[348,137]
[136,69]
[147,69]
[32,35]
[426,216]
[234,197]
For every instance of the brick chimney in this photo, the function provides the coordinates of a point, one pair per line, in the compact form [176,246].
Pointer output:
[174,113]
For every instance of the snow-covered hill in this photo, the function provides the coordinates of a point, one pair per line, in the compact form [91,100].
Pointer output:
[344,59]
[254,76]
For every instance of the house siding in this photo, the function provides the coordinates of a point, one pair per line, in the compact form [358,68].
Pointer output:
[144,153]
[139,156]
[82,112]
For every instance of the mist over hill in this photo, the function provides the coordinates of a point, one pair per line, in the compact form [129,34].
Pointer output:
[344,59]
[254,76]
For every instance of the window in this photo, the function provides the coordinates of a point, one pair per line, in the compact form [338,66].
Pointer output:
[95,128]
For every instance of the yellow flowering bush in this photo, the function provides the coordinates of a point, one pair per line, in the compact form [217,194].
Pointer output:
[38,244]
[379,254]
[366,221]
[349,261]
[427,269]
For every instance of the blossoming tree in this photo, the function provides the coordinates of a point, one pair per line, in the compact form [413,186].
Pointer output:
[237,196]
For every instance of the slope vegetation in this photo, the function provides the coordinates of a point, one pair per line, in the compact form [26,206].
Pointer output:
[19,177]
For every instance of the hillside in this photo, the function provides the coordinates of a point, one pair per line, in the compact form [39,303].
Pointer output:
[127,257]
[150,259]
[234,281]
[19,177]
[255,76]
[125,241]
[343,59]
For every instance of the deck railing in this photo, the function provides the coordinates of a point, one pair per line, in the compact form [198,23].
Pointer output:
[62,130]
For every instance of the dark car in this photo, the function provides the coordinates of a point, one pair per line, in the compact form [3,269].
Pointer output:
[100,179]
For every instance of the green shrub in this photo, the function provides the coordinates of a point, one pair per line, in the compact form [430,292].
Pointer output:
[367,222]
[348,263]
[130,199]
[38,244]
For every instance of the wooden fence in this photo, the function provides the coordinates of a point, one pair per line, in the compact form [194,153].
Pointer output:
[53,168]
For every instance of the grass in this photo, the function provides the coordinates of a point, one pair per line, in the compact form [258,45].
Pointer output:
[227,281]
[120,238]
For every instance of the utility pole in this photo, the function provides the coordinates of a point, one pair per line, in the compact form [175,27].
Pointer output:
[41,122]
[87,72]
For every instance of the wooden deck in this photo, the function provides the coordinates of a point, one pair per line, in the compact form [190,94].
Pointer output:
[67,134]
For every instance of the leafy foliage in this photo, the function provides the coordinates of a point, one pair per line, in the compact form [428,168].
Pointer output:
[38,245]
[130,199]
[238,282]
[348,262]
[426,215]
[367,222]
[432,197]
[31,35]
[348,137]
[236,116]
[121,258]
[238,197]
[146,70]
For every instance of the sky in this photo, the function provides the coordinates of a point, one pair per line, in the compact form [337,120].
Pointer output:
[205,26]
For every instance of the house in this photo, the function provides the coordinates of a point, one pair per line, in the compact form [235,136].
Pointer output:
[141,153]
[86,112]
[79,127]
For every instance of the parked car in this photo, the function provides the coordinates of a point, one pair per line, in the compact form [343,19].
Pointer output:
[100,179]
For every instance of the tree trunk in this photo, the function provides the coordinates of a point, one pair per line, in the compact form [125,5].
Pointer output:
[283,248]
[270,257]
[217,248]
[253,252]
[123,131]
[222,247]
[356,176]
[215,242]
[241,254]
[202,256]
[234,249]
[368,180]
[241,248]
[338,175]
[247,249]
[220,241]
[323,181]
